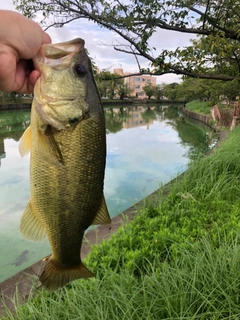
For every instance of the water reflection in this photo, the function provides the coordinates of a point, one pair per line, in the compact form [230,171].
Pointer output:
[12,126]
[146,147]
[192,133]
[14,123]
[2,149]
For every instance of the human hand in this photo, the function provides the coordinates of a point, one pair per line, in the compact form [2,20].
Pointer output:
[20,41]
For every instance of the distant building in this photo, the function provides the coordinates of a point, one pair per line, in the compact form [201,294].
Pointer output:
[119,71]
[136,83]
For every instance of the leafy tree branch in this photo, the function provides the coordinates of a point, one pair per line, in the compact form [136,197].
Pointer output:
[214,55]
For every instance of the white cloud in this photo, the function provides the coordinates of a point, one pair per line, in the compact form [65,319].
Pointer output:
[7,5]
[104,55]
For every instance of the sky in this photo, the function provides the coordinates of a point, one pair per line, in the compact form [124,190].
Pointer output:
[98,42]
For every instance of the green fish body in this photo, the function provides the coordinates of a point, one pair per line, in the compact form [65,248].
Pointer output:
[67,144]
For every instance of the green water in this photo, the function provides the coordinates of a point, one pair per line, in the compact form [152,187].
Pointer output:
[146,148]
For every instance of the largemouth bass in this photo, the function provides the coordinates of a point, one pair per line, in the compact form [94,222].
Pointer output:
[67,144]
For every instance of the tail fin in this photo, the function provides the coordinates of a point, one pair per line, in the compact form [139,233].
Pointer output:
[55,276]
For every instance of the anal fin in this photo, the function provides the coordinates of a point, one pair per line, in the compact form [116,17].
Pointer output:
[102,216]
[30,227]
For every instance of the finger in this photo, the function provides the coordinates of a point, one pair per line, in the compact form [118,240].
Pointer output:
[16,77]
[46,38]
[21,77]
[33,77]
[7,71]
[27,84]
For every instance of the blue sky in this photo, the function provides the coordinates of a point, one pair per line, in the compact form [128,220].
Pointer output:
[105,56]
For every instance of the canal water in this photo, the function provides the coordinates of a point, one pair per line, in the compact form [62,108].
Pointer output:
[146,148]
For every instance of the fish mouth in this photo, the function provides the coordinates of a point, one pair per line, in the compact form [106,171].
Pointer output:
[57,117]
[55,102]
[59,55]
[46,99]
[60,109]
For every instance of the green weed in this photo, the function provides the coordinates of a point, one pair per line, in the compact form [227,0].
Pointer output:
[198,106]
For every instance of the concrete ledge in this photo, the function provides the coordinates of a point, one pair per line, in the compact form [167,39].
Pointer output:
[198,116]
[16,106]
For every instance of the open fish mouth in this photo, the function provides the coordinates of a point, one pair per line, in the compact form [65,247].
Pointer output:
[58,55]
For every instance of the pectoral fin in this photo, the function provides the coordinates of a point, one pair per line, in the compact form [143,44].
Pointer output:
[48,149]
[26,142]
[102,216]
[30,227]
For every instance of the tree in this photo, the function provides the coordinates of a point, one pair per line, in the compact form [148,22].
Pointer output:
[202,89]
[149,90]
[159,91]
[102,80]
[192,89]
[214,55]
[171,91]
[107,83]
[122,89]
[11,96]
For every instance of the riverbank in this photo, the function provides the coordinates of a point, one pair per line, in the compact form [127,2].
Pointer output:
[135,244]
[178,258]
[23,281]
[105,102]
[197,116]
[10,286]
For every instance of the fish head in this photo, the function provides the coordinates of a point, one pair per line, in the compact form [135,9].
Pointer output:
[61,91]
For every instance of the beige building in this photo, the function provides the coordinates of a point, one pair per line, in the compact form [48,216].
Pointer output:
[136,83]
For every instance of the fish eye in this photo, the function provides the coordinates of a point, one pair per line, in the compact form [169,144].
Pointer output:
[80,70]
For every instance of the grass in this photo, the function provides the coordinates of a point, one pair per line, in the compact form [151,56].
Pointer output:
[198,106]
[204,107]
[178,259]
[201,284]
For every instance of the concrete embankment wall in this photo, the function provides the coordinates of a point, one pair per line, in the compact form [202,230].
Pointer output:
[200,117]
[14,106]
